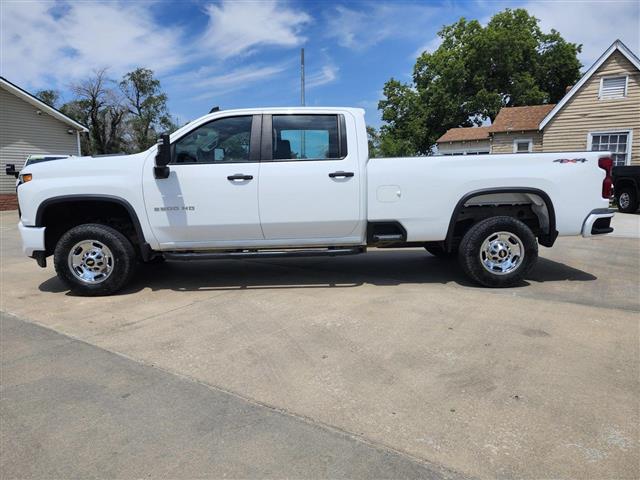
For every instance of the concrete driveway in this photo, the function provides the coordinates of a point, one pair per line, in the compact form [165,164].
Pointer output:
[394,347]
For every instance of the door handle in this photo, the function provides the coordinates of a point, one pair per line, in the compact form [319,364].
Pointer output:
[239,176]
[340,174]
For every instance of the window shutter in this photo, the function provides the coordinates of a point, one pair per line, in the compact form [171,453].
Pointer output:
[613,87]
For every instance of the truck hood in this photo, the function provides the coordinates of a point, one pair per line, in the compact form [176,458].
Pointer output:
[87,165]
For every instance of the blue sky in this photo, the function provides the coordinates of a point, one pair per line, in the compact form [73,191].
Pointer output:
[246,53]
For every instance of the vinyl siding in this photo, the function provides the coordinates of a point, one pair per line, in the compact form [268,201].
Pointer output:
[23,132]
[585,112]
[502,142]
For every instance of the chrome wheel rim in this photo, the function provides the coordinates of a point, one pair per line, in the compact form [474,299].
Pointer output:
[501,253]
[624,200]
[90,261]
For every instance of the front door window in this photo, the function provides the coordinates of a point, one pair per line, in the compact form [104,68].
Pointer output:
[226,140]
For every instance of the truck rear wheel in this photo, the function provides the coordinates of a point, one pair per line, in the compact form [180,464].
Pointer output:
[627,200]
[498,252]
[94,259]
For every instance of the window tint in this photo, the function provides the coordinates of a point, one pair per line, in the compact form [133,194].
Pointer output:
[305,137]
[226,140]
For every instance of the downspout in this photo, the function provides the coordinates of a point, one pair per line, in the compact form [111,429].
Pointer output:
[78,139]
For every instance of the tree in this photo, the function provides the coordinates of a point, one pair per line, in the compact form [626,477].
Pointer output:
[50,97]
[99,106]
[373,139]
[147,107]
[476,71]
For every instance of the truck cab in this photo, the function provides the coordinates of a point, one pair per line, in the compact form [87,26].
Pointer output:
[261,179]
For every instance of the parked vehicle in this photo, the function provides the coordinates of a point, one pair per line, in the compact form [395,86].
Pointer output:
[299,182]
[626,188]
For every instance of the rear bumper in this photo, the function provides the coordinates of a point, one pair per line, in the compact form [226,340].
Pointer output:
[32,239]
[598,222]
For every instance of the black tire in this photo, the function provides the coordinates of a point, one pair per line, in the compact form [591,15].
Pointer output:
[470,251]
[438,251]
[627,200]
[123,259]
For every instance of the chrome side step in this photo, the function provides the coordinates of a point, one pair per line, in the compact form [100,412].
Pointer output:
[316,252]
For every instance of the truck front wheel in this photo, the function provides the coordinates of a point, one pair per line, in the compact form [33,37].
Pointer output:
[94,259]
[498,252]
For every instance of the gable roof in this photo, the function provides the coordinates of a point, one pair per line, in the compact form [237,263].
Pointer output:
[461,134]
[36,102]
[615,46]
[520,118]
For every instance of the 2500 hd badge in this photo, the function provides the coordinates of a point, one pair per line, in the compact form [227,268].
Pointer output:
[174,209]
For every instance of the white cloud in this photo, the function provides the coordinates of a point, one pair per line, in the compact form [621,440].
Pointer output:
[327,74]
[51,44]
[237,27]
[431,46]
[595,24]
[375,22]
[215,85]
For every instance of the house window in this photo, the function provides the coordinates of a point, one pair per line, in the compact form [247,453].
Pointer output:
[467,152]
[618,143]
[523,145]
[613,87]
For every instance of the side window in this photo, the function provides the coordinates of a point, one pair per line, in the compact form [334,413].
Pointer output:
[225,140]
[307,137]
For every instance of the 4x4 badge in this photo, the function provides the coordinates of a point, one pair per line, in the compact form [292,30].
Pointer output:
[570,160]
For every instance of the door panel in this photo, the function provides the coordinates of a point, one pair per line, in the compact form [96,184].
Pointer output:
[211,195]
[302,196]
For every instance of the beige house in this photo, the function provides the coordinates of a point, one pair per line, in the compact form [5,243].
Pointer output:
[601,112]
[29,126]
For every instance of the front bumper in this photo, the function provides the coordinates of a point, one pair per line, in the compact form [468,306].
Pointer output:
[32,239]
[598,222]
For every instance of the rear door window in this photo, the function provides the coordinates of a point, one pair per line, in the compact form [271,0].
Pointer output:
[307,137]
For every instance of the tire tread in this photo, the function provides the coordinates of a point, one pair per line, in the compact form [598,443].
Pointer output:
[124,259]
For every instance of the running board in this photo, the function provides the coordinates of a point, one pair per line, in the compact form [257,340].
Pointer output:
[324,252]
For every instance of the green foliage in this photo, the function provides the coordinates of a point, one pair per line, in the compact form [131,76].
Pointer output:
[50,97]
[476,71]
[373,139]
[147,107]
[121,117]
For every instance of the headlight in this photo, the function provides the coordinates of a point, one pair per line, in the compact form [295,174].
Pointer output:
[24,178]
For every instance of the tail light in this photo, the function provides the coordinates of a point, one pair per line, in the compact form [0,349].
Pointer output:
[607,184]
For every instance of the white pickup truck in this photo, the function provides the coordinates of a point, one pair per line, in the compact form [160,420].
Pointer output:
[299,182]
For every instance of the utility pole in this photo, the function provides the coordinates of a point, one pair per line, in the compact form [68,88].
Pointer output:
[302,76]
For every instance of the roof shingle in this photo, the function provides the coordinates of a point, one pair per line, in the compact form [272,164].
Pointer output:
[508,119]
[520,118]
[465,134]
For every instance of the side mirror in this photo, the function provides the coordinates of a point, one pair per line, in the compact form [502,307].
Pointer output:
[163,157]
[11,170]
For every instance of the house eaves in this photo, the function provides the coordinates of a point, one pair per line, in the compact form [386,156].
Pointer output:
[36,102]
[617,45]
